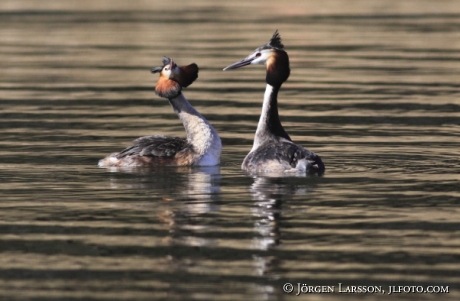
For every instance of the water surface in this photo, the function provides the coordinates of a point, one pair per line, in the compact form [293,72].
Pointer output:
[373,90]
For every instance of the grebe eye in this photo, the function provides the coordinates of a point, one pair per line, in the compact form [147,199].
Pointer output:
[258,54]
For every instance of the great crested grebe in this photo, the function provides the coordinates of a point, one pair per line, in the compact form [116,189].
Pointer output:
[273,149]
[202,147]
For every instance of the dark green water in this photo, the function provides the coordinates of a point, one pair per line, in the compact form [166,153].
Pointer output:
[374,90]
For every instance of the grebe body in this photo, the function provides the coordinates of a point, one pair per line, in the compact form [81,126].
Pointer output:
[202,147]
[273,150]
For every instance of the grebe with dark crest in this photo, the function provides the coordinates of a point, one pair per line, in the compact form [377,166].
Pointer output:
[202,147]
[273,149]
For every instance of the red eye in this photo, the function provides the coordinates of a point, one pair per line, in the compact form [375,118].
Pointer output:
[258,54]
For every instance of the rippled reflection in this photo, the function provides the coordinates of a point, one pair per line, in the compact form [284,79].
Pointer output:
[185,194]
[193,182]
[373,90]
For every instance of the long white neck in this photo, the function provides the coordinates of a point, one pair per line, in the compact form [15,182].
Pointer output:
[262,127]
[269,126]
[200,133]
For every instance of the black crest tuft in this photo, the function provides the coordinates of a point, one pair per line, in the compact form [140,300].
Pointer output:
[275,41]
[166,61]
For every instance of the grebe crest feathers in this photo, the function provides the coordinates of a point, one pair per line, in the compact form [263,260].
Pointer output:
[275,41]
[173,78]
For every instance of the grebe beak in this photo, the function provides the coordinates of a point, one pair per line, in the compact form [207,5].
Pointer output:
[156,69]
[165,60]
[242,63]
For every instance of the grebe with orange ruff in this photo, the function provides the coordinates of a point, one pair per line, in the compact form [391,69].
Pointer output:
[202,147]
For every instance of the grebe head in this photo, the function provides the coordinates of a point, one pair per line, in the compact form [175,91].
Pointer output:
[273,56]
[173,78]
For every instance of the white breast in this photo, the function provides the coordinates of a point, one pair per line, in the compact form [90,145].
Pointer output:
[211,150]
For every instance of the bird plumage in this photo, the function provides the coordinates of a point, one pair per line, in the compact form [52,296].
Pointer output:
[273,149]
[202,147]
